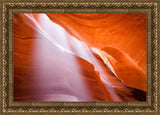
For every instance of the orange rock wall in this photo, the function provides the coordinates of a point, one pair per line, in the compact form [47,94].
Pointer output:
[122,38]
[126,32]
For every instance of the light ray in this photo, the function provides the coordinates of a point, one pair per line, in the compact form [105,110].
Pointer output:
[62,82]
[55,34]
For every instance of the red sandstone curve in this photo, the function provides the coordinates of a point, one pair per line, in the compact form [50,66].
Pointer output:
[124,67]
[29,80]
[25,78]
[123,34]
[126,32]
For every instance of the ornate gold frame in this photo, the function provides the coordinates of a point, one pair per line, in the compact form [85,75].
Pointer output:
[8,7]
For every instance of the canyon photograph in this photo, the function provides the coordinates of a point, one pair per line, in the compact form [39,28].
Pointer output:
[80,57]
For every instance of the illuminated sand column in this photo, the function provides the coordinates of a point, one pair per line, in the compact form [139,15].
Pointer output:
[64,68]
[54,77]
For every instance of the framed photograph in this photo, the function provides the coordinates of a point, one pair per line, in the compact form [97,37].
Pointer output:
[79,57]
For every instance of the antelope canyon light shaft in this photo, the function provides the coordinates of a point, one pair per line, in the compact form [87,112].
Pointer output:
[80,57]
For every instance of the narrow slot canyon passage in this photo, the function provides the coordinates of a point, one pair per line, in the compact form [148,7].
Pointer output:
[79,57]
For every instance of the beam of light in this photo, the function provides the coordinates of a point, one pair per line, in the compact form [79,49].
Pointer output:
[60,84]
[37,27]
[58,36]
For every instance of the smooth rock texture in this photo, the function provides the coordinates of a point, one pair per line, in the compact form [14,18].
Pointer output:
[79,57]
[125,32]
[123,36]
